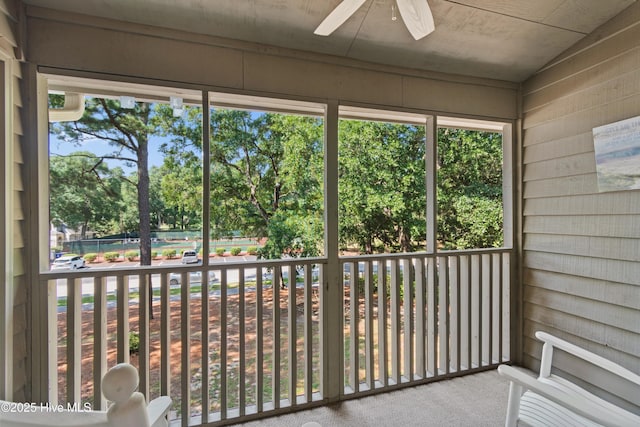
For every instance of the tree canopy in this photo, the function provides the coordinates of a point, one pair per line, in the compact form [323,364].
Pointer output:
[469,189]
[84,192]
[127,131]
[267,175]
[381,185]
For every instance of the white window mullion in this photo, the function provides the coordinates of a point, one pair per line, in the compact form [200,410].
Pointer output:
[431,132]
[331,294]
[206,232]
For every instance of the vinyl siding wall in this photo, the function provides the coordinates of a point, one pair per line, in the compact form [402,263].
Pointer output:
[581,248]
[15,381]
[20,332]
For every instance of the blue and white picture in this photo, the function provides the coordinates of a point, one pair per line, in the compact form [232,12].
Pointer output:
[617,148]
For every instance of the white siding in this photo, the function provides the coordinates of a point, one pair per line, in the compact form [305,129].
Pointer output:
[20,332]
[581,248]
[12,188]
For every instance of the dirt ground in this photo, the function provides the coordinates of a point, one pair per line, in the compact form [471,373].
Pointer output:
[232,342]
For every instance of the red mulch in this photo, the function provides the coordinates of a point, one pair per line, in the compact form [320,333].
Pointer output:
[232,343]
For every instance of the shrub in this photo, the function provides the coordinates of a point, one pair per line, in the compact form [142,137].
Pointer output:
[154,254]
[131,255]
[134,342]
[111,256]
[169,253]
[220,251]
[374,283]
[235,251]
[252,250]
[90,257]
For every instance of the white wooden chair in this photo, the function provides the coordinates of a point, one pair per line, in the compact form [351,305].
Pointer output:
[129,408]
[550,400]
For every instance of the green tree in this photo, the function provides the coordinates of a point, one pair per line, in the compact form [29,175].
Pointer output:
[83,191]
[382,184]
[127,131]
[296,228]
[469,189]
[159,212]
[129,215]
[181,173]
[266,176]
[181,193]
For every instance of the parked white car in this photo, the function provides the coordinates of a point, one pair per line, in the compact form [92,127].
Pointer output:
[194,277]
[189,257]
[68,262]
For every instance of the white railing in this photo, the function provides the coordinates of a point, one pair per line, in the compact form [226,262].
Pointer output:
[239,344]
[242,344]
[427,316]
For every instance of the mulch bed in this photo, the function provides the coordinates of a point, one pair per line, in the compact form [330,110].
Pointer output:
[232,343]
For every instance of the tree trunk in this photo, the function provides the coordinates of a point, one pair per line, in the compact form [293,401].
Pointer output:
[83,230]
[144,208]
[405,240]
[368,248]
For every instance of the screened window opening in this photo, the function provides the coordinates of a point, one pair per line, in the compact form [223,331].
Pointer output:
[267,172]
[382,198]
[125,179]
[469,188]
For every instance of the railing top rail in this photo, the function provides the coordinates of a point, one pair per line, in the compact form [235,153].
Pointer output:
[175,268]
[403,255]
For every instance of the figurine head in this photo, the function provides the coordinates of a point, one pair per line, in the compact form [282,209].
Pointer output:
[119,383]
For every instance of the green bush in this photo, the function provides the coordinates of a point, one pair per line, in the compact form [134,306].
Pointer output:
[134,342]
[111,256]
[169,253]
[131,255]
[375,281]
[235,251]
[90,257]
[220,251]
[252,250]
[154,254]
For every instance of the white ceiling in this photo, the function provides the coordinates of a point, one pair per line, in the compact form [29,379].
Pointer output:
[501,39]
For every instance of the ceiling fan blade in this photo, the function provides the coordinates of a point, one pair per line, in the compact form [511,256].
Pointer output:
[417,16]
[341,13]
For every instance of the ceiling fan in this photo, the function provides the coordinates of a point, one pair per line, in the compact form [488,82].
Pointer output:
[416,15]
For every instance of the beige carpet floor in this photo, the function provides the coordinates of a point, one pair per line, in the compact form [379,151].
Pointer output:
[472,400]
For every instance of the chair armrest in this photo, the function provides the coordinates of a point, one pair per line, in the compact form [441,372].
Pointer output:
[571,401]
[157,410]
